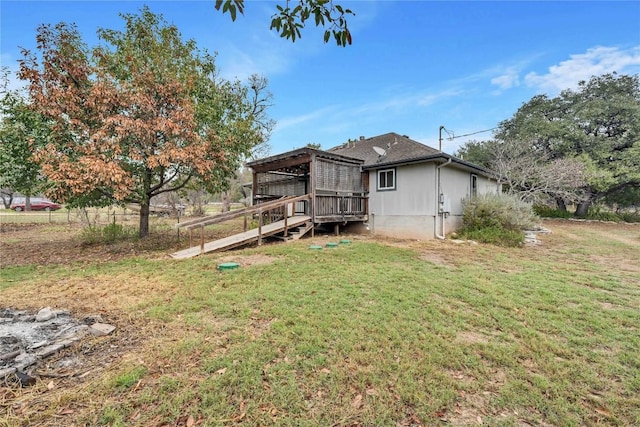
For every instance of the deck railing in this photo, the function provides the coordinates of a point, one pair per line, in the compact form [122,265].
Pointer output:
[340,207]
[269,211]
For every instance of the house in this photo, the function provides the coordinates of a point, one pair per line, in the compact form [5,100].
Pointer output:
[415,191]
[393,184]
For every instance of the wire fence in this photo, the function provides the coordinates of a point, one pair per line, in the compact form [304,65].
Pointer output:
[89,217]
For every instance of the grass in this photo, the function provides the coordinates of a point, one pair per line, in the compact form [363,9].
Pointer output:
[369,333]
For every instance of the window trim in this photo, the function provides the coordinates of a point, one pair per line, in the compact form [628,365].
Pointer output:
[394,174]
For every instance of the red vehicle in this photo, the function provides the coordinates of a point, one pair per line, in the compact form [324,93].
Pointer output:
[41,205]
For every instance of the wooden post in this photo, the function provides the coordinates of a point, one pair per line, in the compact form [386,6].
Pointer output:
[202,239]
[254,188]
[312,182]
[178,228]
[337,229]
[286,218]
[190,237]
[259,227]
[245,222]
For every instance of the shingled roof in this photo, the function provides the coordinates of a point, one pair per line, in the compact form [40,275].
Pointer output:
[398,148]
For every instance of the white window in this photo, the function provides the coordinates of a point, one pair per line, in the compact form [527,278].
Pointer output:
[387,179]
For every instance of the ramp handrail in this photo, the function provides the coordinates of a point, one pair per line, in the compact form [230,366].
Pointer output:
[259,208]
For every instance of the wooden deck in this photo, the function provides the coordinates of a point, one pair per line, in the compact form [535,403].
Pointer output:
[242,238]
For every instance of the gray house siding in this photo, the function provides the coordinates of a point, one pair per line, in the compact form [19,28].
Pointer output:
[407,211]
[411,210]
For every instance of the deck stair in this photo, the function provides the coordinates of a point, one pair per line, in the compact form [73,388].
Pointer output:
[298,232]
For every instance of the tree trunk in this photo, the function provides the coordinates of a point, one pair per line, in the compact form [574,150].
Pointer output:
[144,219]
[27,203]
[226,201]
[6,201]
[561,205]
[583,208]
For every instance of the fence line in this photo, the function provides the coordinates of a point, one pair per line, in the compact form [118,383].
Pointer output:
[91,217]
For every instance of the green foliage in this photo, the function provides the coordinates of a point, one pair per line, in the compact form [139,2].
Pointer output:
[494,235]
[110,233]
[289,21]
[597,124]
[602,212]
[21,131]
[599,212]
[627,197]
[497,219]
[497,210]
[477,152]
[546,211]
[130,378]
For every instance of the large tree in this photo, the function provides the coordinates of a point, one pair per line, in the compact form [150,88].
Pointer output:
[289,20]
[140,115]
[598,124]
[527,172]
[21,131]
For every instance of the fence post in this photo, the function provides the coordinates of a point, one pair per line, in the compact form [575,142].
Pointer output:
[202,239]
[178,228]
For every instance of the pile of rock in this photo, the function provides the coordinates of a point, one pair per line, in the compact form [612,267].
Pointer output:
[27,338]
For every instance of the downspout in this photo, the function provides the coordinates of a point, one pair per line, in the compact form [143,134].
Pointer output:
[439,204]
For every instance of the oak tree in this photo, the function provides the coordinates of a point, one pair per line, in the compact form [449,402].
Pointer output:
[142,114]
[597,124]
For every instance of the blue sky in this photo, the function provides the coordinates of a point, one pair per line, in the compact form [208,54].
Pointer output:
[413,65]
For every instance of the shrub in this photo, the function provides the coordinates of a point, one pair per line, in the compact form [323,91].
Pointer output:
[497,210]
[546,211]
[630,216]
[108,234]
[498,219]
[495,235]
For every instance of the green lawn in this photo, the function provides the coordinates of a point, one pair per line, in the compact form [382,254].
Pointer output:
[371,333]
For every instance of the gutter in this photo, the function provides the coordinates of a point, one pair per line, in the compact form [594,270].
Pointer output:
[439,203]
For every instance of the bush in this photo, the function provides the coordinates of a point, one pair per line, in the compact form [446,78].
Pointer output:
[497,210]
[546,211]
[108,234]
[630,216]
[497,219]
[495,235]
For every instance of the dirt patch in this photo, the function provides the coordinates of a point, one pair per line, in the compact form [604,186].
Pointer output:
[470,337]
[249,260]
[62,244]
[617,263]
[436,258]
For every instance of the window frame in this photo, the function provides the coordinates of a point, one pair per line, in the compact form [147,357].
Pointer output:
[394,174]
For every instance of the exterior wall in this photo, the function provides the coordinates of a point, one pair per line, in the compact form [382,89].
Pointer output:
[411,210]
[408,211]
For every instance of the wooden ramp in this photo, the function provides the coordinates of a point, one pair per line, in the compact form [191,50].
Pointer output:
[242,238]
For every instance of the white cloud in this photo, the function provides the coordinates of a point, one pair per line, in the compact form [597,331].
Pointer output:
[507,80]
[596,61]
[432,98]
[288,122]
